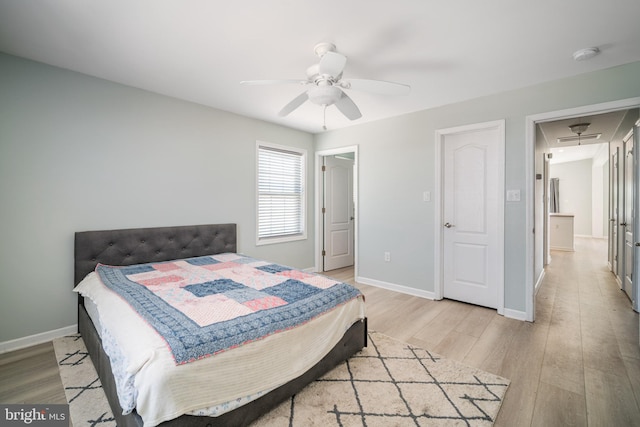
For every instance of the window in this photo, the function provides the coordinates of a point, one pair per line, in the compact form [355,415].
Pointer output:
[281,194]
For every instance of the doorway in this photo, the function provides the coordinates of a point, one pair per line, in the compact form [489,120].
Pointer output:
[336,234]
[533,220]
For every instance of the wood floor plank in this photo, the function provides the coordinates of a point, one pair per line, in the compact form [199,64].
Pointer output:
[558,407]
[522,365]
[562,364]
[490,349]
[610,400]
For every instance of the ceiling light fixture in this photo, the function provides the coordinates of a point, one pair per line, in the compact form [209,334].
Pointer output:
[582,137]
[584,54]
[579,129]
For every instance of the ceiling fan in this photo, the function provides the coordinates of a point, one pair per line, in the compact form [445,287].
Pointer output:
[327,84]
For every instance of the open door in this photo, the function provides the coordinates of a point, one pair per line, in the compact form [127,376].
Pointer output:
[338,213]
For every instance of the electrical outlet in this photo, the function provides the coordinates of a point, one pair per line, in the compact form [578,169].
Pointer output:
[387,256]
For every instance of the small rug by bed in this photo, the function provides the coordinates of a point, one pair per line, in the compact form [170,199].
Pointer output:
[389,383]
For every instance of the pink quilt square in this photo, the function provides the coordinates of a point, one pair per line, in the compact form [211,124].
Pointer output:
[264,303]
[166,266]
[212,309]
[295,274]
[161,280]
[220,266]
[321,282]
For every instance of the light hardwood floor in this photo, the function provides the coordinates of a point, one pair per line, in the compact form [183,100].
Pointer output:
[578,364]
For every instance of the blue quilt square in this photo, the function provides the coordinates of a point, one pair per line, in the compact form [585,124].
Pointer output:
[245,260]
[244,295]
[135,269]
[211,288]
[273,268]
[207,260]
[292,290]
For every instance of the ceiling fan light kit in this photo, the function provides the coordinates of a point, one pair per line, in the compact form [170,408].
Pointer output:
[327,86]
[579,129]
[584,54]
[324,95]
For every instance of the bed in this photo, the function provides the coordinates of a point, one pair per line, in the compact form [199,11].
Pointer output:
[129,247]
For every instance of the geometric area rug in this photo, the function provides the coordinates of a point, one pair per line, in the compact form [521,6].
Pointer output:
[388,383]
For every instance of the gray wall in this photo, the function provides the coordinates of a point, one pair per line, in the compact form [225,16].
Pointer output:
[80,153]
[397,165]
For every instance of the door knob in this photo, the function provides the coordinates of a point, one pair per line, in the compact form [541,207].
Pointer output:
[448,225]
[624,224]
[637,243]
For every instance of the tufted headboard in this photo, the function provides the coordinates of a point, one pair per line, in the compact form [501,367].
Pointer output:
[142,245]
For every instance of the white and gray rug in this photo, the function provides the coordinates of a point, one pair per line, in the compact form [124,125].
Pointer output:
[389,383]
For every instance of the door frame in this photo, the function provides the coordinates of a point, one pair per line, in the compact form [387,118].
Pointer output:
[319,197]
[440,135]
[530,146]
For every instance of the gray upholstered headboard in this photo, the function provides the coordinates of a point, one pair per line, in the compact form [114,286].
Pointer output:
[142,245]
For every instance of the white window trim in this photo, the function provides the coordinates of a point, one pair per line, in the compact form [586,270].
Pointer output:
[291,238]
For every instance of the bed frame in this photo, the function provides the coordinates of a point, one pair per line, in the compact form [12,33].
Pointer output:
[142,245]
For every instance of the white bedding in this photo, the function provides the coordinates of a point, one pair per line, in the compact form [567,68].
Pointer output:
[163,390]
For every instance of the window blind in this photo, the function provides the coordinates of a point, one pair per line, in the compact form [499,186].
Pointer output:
[280,192]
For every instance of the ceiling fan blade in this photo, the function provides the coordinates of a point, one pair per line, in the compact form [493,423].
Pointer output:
[272,82]
[348,107]
[332,63]
[295,103]
[380,87]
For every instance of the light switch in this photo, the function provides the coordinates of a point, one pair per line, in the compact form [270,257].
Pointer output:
[513,195]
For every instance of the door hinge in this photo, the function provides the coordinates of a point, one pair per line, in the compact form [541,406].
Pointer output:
[324,210]
[324,168]
[324,253]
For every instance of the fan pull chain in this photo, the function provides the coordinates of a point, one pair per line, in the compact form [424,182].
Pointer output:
[324,123]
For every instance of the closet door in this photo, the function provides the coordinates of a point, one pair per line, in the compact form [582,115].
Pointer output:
[627,225]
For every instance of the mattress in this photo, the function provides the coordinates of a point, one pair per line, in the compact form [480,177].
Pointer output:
[145,370]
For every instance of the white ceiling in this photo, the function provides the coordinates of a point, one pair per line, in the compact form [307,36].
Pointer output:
[199,50]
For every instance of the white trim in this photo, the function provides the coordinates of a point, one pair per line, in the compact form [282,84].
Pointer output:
[31,340]
[318,202]
[396,288]
[530,147]
[438,262]
[515,314]
[539,281]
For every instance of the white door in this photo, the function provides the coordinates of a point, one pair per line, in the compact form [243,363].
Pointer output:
[472,216]
[628,216]
[338,213]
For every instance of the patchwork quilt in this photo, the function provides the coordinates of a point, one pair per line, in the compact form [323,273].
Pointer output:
[205,305]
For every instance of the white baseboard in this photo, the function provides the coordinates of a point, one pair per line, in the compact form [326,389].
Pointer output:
[539,282]
[397,288]
[515,314]
[25,342]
